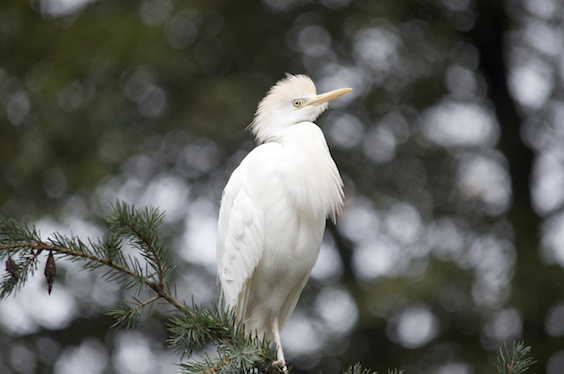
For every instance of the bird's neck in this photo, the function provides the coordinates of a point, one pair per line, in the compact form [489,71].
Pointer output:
[272,125]
[301,134]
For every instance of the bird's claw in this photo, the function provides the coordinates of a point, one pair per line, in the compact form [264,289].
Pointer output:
[281,363]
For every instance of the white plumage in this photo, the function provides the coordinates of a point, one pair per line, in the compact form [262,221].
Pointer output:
[274,208]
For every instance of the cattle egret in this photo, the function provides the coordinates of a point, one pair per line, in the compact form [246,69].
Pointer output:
[274,209]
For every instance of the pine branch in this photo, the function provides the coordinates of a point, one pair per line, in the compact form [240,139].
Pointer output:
[141,230]
[193,331]
[237,352]
[514,361]
[357,369]
[127,316]
[23,243]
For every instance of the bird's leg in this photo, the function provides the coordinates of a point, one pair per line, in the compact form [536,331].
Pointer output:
[280,352]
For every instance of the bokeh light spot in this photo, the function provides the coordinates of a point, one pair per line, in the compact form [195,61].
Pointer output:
[413,327]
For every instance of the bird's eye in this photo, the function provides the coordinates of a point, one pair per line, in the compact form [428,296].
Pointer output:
[297,103]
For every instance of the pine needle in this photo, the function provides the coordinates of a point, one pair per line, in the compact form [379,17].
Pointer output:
[514,361]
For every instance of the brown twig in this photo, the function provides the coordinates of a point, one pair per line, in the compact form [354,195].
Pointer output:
[212,369]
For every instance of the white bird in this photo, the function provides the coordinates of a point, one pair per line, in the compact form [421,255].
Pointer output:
[274,209]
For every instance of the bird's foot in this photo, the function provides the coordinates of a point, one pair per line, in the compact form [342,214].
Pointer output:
[281,363]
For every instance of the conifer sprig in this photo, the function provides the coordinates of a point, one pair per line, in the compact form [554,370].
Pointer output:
[140,228]
[514,360]
[21,246]
[235,350]
[357,369]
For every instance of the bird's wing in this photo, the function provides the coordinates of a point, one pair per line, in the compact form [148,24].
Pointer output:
[240,239]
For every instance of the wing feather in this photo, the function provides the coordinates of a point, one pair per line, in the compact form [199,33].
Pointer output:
[240,241]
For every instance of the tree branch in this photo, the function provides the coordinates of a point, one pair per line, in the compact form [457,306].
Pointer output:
[158,288]
[160,268]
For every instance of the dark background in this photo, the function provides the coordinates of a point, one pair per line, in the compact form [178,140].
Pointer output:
[450,145]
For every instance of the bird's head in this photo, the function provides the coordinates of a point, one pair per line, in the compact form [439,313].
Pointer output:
[291,100]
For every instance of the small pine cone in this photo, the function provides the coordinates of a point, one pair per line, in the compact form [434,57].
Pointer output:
[12,268]
[50,271]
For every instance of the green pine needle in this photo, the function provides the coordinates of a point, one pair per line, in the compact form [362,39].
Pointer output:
[514,361]
[236,351]
[357,369]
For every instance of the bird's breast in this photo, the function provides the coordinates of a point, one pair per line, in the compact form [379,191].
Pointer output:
[315,183]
